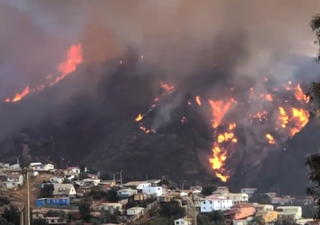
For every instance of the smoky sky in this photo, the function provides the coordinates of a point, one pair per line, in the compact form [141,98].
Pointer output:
[247,38]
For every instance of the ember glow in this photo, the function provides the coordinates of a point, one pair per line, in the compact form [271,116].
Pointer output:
[283,114]
[74,57]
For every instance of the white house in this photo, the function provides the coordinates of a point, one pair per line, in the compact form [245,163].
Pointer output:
[64,190]
[157,191]
[73,170]
[54,220]
[135,211]
[249,191]
[15,166]
[183,221]
[221,190]
[35,165]
[94,182]
[293,212]
[126,193]
[47,167]
[237,197]
[263,208]
[138,184]
[14,180]
[108,207]
[215,203]
[56,180]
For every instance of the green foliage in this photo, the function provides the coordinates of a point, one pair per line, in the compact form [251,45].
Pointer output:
[315,26]
[160,221]
[95,222]
[46,191]
[112,196]
[204,220]
[40,222]
[84,210]
[12,215]
[258,220]
[208,190]
[171,210]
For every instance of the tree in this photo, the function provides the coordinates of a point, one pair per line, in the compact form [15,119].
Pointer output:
[112,196]
[258,220]
[216,216]
[313,161]
[46,191]
[84,210]
[208,190]
[12,215]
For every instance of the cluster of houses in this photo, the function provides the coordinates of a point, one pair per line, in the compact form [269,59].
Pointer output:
[70,186]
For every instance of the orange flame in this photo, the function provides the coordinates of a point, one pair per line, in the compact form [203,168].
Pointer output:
[198,100]
[270,139]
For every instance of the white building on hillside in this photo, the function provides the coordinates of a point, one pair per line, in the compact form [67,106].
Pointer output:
[249,191]
[293,212]
[237,198]
[157,191]
[263,208]
[138,184]
[215,203]
[183,221]
[221,190]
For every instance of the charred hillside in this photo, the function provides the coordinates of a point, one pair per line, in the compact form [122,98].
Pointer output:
[132,116]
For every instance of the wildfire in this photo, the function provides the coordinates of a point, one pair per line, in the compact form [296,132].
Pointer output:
[74,57]
[270,139]
[290,114]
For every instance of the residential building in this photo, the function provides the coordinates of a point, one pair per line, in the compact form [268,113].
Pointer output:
[15,166]
[55,220]
[64,190]
[183,221]
[89,181]
[278,201]
[240,211]
[35,165]
[196,188]
[56,180]
[138,184]
[135,211]
[240,222]
[221,190]
[107,184]
[268,216]
[237,197]
[215,203]
[249,191]
[126,193]
[272,194]
[292,212]
[83,191]
[73,170]
[305,200]
[14,180]
[156,191]
[52,202]
[154,182]
[47,167]
[108,207]
[263,208]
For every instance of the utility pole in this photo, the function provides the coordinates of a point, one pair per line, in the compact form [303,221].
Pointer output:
[121,177]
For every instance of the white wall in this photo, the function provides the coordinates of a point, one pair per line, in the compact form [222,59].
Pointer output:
[152,191]
[215,204]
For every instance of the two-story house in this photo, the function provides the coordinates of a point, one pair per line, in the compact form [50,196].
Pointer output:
[240,211]
[215,203]
[64,190]
[56,179]
[237,197]
[292,212]
[14,179]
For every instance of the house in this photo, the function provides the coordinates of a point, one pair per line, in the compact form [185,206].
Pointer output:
[307,200]
[268,216]
[93,182]
[54,220]
[52,202]
[249,191]
[108,207]
[221,190]
[183,221]
[196,188]
[47,167]
[154,182]
[138,184]
[35,165]
[135,211]
[272,194]
[215,203]
[263,208]
[37,215]
[92,176]
[278,201]
[237,197]
[292,212]
[14,179]
[83,191]
[15,166]
[240,222]
[64,190]
[240,211]
[126,193]
[56,180]
[107,184]
[156,191]
[73,170]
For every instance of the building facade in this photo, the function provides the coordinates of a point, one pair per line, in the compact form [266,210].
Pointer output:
[157,191]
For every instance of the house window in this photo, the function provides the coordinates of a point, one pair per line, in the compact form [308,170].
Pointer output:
[177,222]
[158,189]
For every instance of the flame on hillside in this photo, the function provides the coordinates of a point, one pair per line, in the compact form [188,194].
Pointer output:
[291,114]
[74,57]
